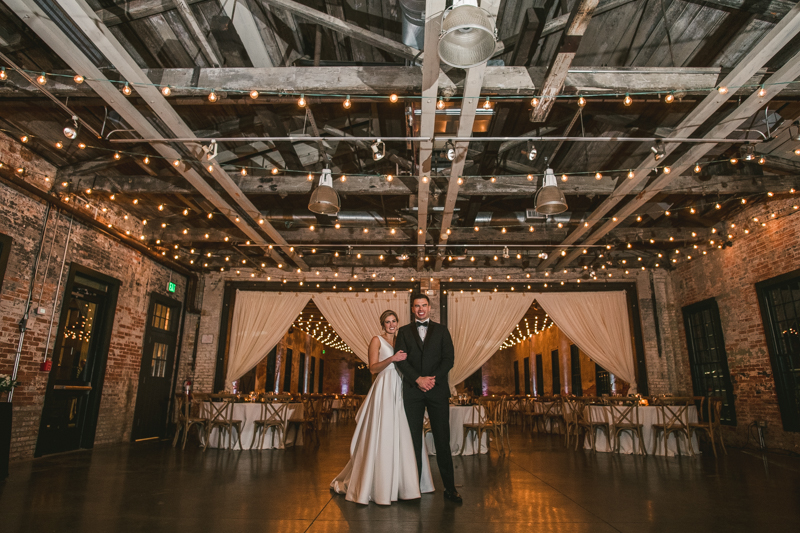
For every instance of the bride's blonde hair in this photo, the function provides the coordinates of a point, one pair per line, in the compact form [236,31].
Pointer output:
[386,314]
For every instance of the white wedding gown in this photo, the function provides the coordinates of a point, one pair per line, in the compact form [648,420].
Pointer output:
[382,465]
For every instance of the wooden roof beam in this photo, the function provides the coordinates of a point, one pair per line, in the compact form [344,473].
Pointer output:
[778,37]
[347,29]
[193,26]
[101,36]
[559,65]
[245,25]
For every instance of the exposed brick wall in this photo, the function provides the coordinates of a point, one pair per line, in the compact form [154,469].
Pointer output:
[729,275]
[22,217]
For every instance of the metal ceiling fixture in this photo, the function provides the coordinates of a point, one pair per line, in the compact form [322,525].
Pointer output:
[71,131]
[658,150]
[324,200]
[449,151]
[468,35]
[532,153]
[550,200]
[378,150]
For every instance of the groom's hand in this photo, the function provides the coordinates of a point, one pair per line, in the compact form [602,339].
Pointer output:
[426,383]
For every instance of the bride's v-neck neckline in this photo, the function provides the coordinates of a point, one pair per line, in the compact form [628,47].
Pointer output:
[384,340]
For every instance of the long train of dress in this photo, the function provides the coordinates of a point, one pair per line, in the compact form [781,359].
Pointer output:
[382,466]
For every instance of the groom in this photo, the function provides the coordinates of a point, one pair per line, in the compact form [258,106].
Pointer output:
[430,358]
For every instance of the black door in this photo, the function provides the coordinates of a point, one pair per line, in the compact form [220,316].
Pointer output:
[74,387]
[321,374]
[312,369]
[155,375]
[556,373]
[287,372]
[301,375]
[526,363]
[575,367]
[780,310]
[707,357]
[539,375]
[269,384]
[474,383]
[516,377]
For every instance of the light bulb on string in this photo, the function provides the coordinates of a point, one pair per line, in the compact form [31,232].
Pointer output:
[81,146]
[166,91]
[762,92]
[669,98]
[534,102]
[302,100]
[59,145]
[598,176]
[627,100]
[393,98]
[722,90]
[581,101]
[631,174]
[274,170]
[440,104]
[697,169]
[146,160]
[3,74]
[117,156]
[41,79]
[78,79]
[347,103]
[253,94]
[24,139]
[212,96]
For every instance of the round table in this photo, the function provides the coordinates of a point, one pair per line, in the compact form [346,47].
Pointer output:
[248,412]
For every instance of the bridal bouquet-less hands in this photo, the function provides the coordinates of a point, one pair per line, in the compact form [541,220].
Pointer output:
[6,383]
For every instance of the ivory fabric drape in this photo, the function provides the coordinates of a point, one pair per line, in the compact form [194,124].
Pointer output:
[479,323]
[260,320]
[356,316]
[598,323]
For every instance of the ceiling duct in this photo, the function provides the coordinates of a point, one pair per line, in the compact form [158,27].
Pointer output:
[413,32]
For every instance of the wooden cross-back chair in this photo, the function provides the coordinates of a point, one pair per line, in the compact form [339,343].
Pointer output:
[709,418]
[625,417]
[674,420]
[220,410]
[272,417]
[187,420]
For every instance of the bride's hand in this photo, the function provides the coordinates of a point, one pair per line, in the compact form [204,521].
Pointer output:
[399,356]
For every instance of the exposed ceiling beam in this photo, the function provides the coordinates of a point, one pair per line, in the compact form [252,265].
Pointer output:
[255,185]
[469,105]
[186,13]
[430,89]
[136,9]
[559,66]
[245,25]
[86,19]
[742,113]
[770,44]
[382,81]
[346,28]
[51,34]
[528,39]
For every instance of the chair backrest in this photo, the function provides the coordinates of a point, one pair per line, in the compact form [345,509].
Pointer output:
[273,411]
[572,408]
[310,408]
[624,411]
[482,410]
[552,406]
[674,411]
[182,406]
[203,402]
[503,409]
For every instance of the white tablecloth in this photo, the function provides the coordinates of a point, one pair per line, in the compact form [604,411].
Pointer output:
[460,415]
[247,413]
[648,415]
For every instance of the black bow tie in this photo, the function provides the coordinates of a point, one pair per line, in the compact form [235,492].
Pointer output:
[423,324]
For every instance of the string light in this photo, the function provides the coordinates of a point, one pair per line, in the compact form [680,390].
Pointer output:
[598,176]
[166,91]
[393,98]
[3,74]
[627,100]
[347,103]
[697,169]
[117,156]
[581,102]
[78,79]
[24,139]
[534,102]
[81,146]
[669,98]
[630,174]
[274,170]
[486,104]
[440,104]
[126,90]
[253,94]
[41,79]
[146,160]
[722,90]
[762,92]
[212,96]
[302,100]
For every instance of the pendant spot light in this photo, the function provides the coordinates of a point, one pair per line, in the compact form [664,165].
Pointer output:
[324,200]
[550,199]
[532,153]
[449,151]
[468,35]
[378,150]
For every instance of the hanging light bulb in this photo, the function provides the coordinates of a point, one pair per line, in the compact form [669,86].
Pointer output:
[734,160]
[212,96]
[302,100]
[117,156]
[598,176]
[166,91]
[78,79]
[667,170]
[347,103]
[146,160]
[393,98]
[669,98]
[3,74]
[126,90]
[41,79]
[274,170]
[722,90]
[581,102]
[762,160]
[253,94]
[534,102]
[762,92]
[440,104]
[244,172]
[389,177]
[486,104]
[631,175]
[310,177]
[627,100]
[59,145]
[697,169]
[176,163]
[24,139]
[81,146]
[564,177]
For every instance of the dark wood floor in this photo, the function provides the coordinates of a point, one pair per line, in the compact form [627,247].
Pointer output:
[151,487]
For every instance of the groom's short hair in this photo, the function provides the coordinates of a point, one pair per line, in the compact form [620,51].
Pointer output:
[419,296]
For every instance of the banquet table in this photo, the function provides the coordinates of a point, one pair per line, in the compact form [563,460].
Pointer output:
[460,415]
[648,415]
[248,412]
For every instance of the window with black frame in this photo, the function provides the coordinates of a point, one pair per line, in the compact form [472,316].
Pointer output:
[5,251]
[780,310]
[707,356]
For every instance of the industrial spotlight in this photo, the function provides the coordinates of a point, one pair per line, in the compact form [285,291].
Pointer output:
[70,132]
[658,150]
[324,200]
[796,135]
[506,255]
[468,35]
[549,199]
[378,150]
[531,151]
[449,151]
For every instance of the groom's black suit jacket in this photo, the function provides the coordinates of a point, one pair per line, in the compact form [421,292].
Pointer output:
[434,357]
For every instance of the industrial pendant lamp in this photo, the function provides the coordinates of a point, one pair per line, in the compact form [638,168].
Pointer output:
[550,200]
[324,200]
[468,35]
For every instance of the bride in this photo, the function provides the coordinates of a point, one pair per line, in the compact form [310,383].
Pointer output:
[382,465]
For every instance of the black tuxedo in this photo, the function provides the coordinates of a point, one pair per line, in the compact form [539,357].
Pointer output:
[434,357]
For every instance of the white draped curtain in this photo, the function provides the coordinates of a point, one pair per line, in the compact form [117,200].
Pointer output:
[356,316]
[598,323]
[479,323]
[260,320]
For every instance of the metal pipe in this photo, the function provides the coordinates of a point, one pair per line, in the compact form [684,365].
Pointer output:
[23,322]
[405,244]
[58,290]
[668,140]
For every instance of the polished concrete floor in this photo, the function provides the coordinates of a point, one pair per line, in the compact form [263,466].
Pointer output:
[540,486]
